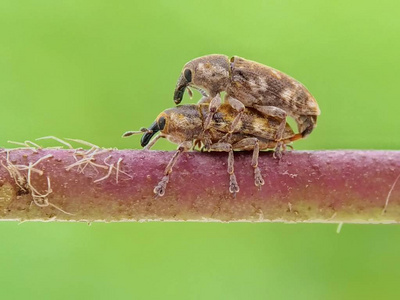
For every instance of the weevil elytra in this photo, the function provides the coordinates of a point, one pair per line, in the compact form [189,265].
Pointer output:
[184,125]
[249,84]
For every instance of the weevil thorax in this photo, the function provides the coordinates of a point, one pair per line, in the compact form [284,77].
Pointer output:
[183,123]
[210,74]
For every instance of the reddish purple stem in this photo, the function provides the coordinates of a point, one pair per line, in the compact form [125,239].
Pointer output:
[312,186]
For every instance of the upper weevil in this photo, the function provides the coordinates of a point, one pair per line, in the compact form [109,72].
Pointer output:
[249,84]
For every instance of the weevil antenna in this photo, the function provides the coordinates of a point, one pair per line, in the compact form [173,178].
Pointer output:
[141,131]
[190,93]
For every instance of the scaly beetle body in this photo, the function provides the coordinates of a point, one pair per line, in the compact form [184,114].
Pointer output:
[249,84]
[184,125]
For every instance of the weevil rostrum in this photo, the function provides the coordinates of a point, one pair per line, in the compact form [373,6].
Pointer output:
[184,125]
[249,84]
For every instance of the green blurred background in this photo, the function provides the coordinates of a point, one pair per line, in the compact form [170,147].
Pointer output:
[94,69]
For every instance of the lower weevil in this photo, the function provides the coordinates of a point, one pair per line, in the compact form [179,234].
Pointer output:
[184,125]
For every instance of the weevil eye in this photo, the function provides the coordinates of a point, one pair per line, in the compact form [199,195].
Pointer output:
[161,123]
[188,75]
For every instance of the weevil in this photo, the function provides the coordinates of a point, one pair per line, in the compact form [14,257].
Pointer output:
[184,125]
[249,84]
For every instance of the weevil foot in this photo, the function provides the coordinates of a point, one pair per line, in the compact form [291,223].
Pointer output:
[258,179]
[233,185]
[159,190]
[277,155]
[278,150]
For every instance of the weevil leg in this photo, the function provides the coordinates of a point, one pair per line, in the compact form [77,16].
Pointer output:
[278,150]
[213,107]
[281,147]
[204,99]
[215,103]
[233,185]
[281,114]
[248,144]
[160,188]
[197,144]
[258,179]
[206,139]
[152,142]
[239,107]
[274,112]
[226,147]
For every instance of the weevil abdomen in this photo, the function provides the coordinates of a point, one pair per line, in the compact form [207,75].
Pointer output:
[257,84]
[252,124]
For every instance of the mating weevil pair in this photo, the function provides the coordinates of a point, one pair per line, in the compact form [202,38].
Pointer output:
[249,84]
[253,117]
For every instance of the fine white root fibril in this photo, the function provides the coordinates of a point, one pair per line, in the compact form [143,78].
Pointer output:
[26,145]
[339,227]
[117,170]
[82,163]
[23,146]
[31,166]
[389,194]
[40,199]
[112,167]
[24,182]
[22,174]
[83,143]
[56,139]
[15,174]
[85,158]
[41,159]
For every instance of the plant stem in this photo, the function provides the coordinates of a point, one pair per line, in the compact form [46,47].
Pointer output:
[117,185]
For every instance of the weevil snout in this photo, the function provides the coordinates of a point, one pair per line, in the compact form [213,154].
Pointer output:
[183,82]
[157,126]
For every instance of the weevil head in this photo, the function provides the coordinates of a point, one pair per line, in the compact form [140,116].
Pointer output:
[178,124]
[209,74]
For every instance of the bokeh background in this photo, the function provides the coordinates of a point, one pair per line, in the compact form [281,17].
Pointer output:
[95,69]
